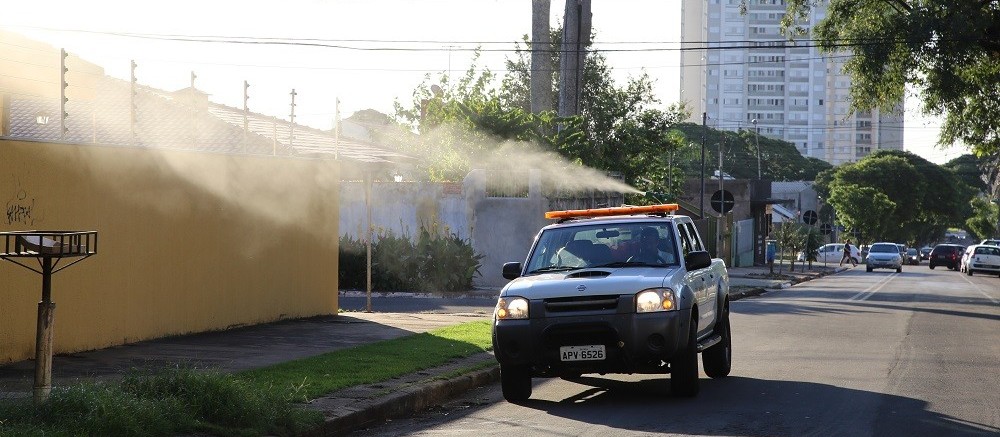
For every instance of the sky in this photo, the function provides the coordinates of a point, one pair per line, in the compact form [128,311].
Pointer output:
[367,68]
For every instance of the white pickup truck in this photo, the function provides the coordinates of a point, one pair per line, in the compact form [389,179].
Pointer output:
[613,290]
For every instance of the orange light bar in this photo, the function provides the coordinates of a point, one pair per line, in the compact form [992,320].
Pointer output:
[604,212]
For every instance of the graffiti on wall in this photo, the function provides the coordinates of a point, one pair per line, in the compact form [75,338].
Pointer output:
[21,208]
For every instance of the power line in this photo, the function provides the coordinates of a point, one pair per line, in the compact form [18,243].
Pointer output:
[339,43]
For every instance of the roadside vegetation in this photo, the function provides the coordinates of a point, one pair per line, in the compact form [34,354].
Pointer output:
[265,401]
[403,264]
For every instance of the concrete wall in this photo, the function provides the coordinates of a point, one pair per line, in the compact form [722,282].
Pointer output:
[188,242]
[402,207]
[501,229]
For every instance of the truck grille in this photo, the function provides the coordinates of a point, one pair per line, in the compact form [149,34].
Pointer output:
[579,334]
[581,303]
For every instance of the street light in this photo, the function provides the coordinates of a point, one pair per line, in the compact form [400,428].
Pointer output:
[756,138]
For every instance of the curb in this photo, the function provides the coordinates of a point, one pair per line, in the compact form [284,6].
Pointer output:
[756,291]
[404,402]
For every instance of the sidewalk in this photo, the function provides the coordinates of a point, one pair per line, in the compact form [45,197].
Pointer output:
[344,410]
[749,281]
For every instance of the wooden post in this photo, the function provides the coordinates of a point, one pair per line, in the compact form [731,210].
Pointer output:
[368,239]
[43,337]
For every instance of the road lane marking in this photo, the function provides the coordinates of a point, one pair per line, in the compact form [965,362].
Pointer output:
[995,302]
[868,292]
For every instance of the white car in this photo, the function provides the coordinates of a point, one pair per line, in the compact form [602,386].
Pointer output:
[884,256]
[981,258]
[832,253]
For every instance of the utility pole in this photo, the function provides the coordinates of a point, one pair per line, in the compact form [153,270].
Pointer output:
[541,43]
[704,130]
[576,36]
[722,206]
[756,138]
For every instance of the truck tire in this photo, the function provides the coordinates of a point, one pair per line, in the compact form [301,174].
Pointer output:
[684,365]
[718,359]
[968,271]
[515,382]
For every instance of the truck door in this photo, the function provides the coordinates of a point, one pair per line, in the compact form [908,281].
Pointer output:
[702,281]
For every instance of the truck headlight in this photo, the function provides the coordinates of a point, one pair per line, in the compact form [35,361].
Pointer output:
[655,299]
[512,308]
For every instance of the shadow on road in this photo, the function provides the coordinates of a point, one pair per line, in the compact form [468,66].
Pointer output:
[748,406]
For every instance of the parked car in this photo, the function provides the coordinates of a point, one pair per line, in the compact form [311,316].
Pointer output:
[925,252]
[912,256]
[831,253]
[948,255]
[884,256]
[982,258]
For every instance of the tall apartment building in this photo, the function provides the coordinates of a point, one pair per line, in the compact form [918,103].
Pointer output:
[742,73]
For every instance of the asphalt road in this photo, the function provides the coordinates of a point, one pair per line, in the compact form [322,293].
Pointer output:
[853,354]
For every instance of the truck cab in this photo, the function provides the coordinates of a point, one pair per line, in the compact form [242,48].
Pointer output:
[613,290]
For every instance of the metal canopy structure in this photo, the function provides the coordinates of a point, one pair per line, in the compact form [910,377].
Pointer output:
[48,248]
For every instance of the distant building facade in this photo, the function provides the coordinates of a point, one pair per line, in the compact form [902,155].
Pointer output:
[743,74]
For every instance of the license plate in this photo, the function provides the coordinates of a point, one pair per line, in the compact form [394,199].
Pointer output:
[582,353]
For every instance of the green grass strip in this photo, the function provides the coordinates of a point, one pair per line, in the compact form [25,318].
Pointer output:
[262,401]
[311,377]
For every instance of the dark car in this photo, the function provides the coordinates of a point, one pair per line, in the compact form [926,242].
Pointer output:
[925,252]
[948,255]
[912,256]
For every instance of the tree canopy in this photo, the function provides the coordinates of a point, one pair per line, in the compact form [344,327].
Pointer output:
[948,50]
[925,198]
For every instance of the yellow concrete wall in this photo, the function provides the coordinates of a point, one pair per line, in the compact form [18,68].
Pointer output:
[187,242]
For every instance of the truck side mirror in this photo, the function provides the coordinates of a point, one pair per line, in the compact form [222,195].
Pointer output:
[697,260]
[511,270]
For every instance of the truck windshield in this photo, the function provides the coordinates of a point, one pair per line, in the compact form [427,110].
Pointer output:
[607,245]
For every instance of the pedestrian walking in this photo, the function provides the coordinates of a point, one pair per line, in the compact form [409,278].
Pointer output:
[847,254]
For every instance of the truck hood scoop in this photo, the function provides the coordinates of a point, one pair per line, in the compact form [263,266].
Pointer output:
[589,274]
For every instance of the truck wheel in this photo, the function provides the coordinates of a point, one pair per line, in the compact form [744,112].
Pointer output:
[515,382]
[718,359]
[868,269]
[899,269]
[968,271]
[932,266]
[684,366]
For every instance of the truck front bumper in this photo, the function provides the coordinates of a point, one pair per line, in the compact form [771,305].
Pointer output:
[633,342]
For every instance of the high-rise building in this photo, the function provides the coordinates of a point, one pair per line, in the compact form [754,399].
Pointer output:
[740,71]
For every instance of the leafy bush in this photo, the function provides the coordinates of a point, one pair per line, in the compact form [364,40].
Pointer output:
[439,260]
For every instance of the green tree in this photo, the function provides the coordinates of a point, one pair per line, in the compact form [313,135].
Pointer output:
[780,160]
[985,220]
[813,241]
[864,210]
[948,50]
[468,122]
[969,170]
[791,237]
[622,132]
[928,197]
